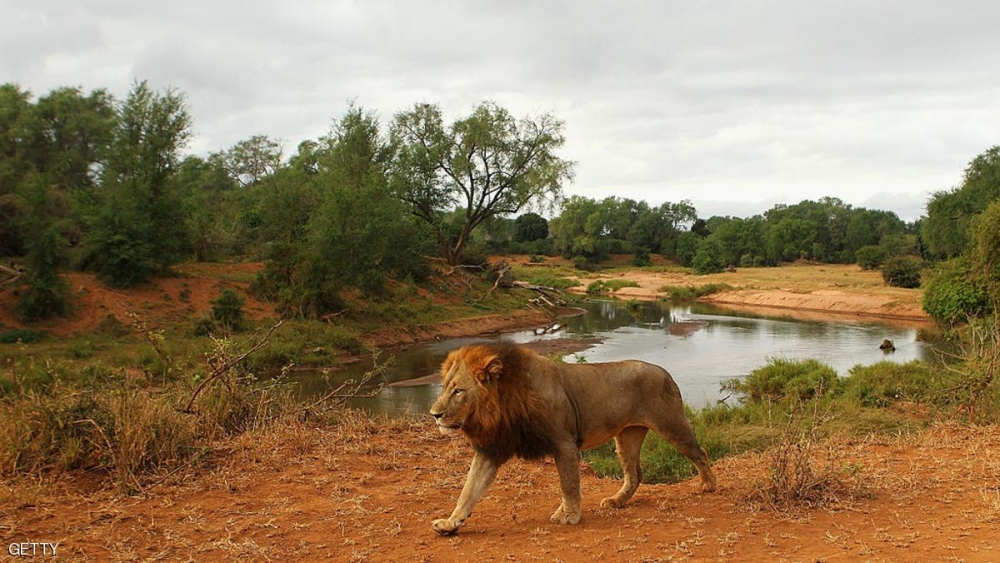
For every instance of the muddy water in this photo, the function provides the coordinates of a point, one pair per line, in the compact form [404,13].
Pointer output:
[700,345]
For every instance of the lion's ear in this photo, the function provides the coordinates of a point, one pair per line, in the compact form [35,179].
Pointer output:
[490,369]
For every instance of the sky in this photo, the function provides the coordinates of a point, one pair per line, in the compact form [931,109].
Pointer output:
[734,105]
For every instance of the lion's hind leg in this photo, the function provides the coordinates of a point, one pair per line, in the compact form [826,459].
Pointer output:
[628,445]
[681,436]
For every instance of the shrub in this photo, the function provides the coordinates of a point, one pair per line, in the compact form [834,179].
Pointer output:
[641,257]
[690,292]
[902,271]
[585,264]
[870,257]
[708,259]
[227,309]
[22,335]
[612,285]
[951,296]
[781,379]
[884,383]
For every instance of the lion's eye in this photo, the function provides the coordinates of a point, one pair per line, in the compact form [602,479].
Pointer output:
[457,392]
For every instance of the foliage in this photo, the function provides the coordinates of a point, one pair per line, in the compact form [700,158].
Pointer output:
[546,276]
[945,230]
[135,219]
[951,295]
[20,335]
[984,250]
[488,163]
[227,309]
[609,286]
[641,258]
[972,377]
[884,383]
[708,259]
[530,227]
[783,379]
[902,271]
[870,257]
[689,292]
[47,293]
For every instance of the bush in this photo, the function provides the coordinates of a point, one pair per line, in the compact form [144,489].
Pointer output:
[227,309]
[690,292]
[950,295]
[641,257]
[708,259]
[612,285]
[870,257]
[22,335]
[902,271]
[781,379]
[884,383]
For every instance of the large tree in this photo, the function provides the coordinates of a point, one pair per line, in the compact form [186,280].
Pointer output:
[487,164]
[945,230]
[137,221]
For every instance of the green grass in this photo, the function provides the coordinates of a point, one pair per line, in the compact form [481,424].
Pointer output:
[690,292]
[609,285]
[548,276]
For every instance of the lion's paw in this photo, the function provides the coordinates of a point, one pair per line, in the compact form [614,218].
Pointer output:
[611,502]
[445,527]
[562,517]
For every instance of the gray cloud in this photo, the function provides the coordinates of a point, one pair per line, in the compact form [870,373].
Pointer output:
[733,104]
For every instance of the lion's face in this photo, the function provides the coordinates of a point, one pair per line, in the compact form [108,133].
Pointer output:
[465,379]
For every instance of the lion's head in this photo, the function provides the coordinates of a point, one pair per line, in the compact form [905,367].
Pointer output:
[486,392]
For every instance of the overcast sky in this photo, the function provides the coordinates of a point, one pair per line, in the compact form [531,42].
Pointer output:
[734,105]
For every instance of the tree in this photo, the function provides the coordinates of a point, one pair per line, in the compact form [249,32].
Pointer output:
[137,222]
[251,160]
[945,230]
[334,224]
[488,164]
[984,252]
[530,227]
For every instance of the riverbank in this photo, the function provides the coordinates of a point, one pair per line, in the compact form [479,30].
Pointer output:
[843,289]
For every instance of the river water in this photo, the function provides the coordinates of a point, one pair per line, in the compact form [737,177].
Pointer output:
[700,345]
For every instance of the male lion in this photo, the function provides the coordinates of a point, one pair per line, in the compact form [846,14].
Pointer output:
[509,401]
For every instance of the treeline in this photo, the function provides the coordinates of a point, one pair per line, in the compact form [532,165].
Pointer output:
[91,182]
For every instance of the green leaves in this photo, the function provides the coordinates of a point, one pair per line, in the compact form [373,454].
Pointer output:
[487,164]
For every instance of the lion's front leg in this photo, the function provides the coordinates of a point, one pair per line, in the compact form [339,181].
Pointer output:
[481,474]
[568,462]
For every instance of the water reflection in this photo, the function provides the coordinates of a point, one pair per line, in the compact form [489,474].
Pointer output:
[701,345]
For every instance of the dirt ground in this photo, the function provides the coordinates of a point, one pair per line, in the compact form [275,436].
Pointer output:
[843,289]
[367,491]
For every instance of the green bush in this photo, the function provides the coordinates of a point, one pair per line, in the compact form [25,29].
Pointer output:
[22,335]
[870,257]
[609,286]
[642,257]
[781,379]
[902,271]
[708,259]
[227,309]
[884,383]
[950,295]
[690,292]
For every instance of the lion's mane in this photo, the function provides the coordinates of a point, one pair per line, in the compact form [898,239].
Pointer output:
[509,418]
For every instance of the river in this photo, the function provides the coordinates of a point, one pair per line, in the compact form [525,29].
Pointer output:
[700,345]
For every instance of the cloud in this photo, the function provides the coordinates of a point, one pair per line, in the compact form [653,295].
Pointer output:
[725,102]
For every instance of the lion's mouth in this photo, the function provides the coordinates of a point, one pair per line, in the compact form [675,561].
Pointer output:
[449,428]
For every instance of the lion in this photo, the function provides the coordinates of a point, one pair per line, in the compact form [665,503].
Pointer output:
[509,401]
